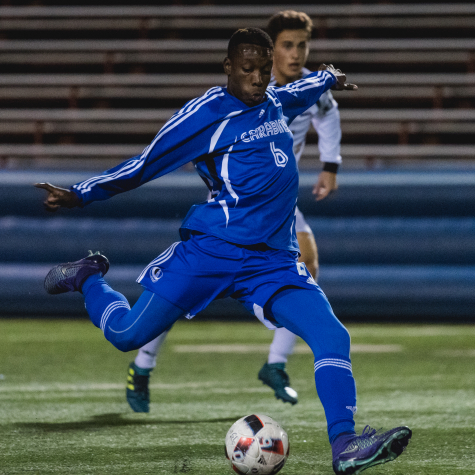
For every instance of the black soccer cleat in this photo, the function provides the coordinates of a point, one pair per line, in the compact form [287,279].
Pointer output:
[71,276]
[274,376]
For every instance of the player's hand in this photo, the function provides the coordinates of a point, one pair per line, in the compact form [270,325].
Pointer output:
[326,183]
[341,84]
[58,197]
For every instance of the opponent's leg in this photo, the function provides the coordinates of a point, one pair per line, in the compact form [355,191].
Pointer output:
[308,314]
[273,372]
[308,252]
[147,355]
[138,374]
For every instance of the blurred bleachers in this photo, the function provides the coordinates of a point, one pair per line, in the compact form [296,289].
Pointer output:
[83,87]
[113,75]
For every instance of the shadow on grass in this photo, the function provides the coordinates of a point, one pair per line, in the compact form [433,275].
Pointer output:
[111,420]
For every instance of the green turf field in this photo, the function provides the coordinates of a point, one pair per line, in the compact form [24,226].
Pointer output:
[63,410]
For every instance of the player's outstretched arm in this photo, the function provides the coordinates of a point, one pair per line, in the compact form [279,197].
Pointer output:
[58,197]
[341,84]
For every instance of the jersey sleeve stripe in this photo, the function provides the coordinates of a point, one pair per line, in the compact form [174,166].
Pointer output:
[219,131]
[170,126]
[133,165]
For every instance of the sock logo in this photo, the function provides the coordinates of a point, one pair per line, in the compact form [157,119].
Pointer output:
[156,274]
[353,409]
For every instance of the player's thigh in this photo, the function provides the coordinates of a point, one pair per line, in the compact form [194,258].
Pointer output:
[308,314]
[190,274]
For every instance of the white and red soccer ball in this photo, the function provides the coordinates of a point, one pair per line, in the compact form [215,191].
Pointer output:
[256,444]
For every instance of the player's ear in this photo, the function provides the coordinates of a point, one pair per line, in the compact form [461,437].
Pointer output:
[227,66]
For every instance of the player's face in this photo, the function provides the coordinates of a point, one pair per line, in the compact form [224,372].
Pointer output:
[290,55]
[249,73]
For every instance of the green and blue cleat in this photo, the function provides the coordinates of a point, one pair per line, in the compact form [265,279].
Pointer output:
[137,392]
[274,376]
[354,453]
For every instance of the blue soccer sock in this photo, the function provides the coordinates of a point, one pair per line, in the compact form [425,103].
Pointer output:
[337,391]
[308,314]
[128,329]
[101,300]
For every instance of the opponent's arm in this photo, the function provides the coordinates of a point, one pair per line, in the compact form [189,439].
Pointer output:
[327,124]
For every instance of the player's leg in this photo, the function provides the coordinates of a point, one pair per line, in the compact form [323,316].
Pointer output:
[128,328]
[170,283]
[273,372]
[308,252]
[308,314]
[138,374]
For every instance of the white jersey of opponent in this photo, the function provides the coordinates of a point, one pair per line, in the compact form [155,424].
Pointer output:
[325,118]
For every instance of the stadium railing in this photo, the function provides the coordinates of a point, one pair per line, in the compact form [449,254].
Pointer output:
[123,151]
[369,51]
[149,121]
[429,15]
[185,86]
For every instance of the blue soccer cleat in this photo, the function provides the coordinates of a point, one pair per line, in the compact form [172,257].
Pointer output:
[274,375]
[69,277]
[354,453]
[137,392]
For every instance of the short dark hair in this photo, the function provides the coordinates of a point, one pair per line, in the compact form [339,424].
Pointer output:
[253,36]
[289,20]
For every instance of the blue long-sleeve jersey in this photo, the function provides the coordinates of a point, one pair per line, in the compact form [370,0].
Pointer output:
[244,154]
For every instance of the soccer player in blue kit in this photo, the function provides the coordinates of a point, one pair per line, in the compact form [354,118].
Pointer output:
[291,32]
[240,243]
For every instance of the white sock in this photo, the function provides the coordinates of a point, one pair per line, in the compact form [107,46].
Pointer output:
[147,356]
[282,346]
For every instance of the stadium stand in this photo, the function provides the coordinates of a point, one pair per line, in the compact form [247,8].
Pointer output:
[403,56]
[83,87]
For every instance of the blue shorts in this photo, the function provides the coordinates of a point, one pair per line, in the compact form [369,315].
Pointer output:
[191,274]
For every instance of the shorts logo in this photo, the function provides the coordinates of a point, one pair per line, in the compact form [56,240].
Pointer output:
[156,274]
[301,269]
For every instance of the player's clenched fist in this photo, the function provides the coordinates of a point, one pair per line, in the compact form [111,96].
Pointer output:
[58,197]
[341,85]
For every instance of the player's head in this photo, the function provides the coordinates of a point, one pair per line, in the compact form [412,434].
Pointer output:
[290,31]
[249,65]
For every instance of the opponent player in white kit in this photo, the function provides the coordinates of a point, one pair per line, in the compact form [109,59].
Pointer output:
[291,32]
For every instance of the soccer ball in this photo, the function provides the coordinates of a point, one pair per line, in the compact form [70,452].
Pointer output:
[256,444]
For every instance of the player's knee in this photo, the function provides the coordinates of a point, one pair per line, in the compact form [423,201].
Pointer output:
[123,343]
[338,340]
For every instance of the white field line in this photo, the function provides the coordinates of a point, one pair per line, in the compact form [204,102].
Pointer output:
[417,331]
[456,353]
[384,331]
[260,348]
[209,386]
